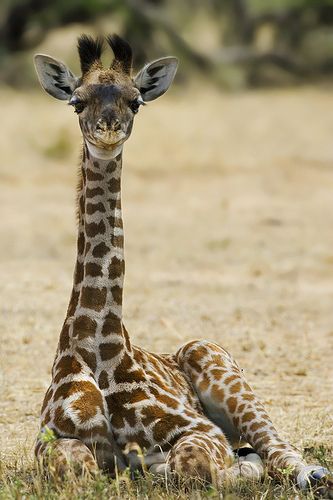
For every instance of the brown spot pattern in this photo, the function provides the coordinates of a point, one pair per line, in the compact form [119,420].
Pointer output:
[65,366]
[112,324]
[110,350]
[232,404]
[84,324]
[117,294]
[94,228]
[100,250]
[166,425]
[63,422]
[93,269]
[95,207]
[218,393]
[64,338]
[80,243]
[116,268]
[93,298]
[89,357]
[92,192]
[114,185]
[115,222]
[103,380]
[87,404]
[94,176]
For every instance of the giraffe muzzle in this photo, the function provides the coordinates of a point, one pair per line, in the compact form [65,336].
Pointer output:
[104,125]
[109,134]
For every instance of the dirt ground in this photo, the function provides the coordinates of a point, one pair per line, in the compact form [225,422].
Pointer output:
[228,202]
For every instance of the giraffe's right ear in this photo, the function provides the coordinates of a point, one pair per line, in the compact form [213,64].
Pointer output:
[156,77]
[54,76]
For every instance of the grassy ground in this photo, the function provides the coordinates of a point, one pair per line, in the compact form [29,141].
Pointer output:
[228,218]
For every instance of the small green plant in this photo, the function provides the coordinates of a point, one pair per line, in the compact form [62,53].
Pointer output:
[47,435]
[286,472]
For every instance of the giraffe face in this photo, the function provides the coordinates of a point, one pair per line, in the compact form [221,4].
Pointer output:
[105,99]
[106,103]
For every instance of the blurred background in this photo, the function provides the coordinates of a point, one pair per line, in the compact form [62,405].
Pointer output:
[227,196]
[237,43]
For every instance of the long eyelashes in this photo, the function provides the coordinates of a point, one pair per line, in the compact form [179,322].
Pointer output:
[79,107]
[77,104]
[135,104]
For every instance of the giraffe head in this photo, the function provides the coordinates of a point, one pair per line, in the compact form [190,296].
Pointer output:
[105,99]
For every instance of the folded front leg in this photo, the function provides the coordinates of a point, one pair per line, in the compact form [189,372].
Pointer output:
[66,455]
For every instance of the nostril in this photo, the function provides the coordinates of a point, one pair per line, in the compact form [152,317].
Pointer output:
[116,125]
[100,125]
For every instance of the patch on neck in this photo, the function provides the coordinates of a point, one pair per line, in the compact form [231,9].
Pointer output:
[104,154]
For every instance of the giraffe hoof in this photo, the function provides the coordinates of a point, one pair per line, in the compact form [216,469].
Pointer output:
[314,477]
[159,469]
[322,483]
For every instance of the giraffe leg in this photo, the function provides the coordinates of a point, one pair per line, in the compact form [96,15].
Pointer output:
[72,455]
[66,455]
[208,458]
[199,455]
[230,403]
[76,416]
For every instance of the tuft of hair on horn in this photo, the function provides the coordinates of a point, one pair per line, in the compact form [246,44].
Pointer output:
[122,50]
[90,51]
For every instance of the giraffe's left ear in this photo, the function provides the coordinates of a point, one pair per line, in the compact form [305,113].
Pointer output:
[156,77]
[54,76]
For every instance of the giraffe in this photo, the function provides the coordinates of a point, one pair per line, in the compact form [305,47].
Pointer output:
[188,410]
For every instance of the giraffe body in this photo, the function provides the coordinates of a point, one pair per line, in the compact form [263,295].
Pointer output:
[187,410]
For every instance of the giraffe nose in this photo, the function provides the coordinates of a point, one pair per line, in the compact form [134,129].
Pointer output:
[101,125]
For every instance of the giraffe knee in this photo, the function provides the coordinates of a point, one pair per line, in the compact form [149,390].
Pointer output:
[191,462]
[194,352]
[198,455]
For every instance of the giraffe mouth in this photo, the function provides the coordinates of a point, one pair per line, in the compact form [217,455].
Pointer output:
[109,139]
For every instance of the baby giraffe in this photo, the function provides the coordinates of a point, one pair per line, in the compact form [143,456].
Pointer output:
[187,410]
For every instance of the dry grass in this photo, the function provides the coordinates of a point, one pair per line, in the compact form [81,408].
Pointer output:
[228,216]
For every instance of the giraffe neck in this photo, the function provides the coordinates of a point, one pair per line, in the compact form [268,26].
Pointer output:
[94,317]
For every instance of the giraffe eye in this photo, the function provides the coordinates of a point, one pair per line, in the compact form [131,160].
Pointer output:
[77,104]
[135,104]
[79,107]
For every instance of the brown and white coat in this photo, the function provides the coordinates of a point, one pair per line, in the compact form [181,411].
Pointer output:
[187,410]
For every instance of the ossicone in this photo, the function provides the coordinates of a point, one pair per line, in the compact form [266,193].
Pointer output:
[123,55]
[90,52]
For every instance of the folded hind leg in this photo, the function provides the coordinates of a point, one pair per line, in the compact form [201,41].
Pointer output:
[229,401]
[208,457]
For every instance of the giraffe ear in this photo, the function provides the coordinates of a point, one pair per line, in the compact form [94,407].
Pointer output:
[54,76]
[156,77]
